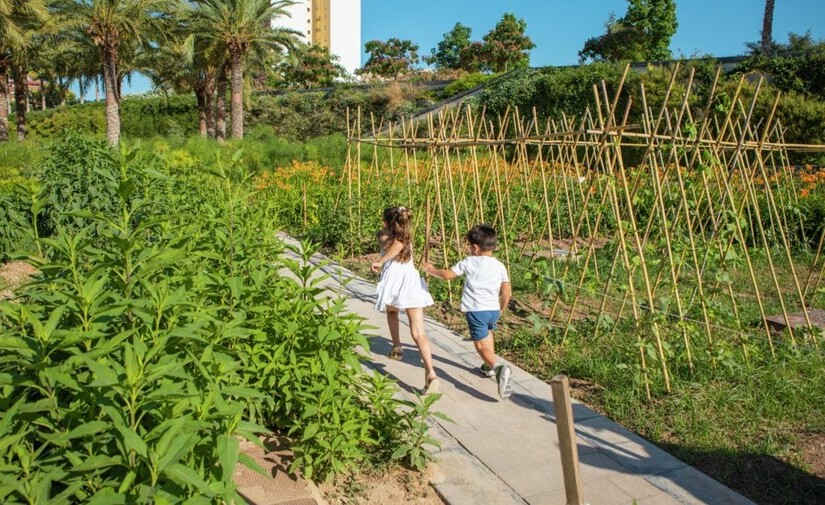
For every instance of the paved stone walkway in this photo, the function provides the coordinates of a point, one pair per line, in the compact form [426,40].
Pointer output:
[506,452]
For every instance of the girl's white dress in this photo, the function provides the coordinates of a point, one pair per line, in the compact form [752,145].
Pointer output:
[402,287]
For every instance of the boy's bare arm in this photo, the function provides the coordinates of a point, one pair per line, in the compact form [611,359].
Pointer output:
[505,295]
[441,273]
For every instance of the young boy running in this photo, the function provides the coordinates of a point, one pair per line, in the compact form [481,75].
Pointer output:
[486,294]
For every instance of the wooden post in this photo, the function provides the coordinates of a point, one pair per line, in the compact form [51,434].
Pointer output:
[567,440]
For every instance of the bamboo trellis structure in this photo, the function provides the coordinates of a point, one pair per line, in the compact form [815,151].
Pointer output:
[680,224]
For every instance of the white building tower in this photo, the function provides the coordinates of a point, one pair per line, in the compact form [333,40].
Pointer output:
[335,24]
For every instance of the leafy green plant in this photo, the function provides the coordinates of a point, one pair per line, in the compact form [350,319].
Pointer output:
[151,342]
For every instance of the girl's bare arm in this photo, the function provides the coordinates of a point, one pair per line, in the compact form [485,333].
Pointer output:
[392,251]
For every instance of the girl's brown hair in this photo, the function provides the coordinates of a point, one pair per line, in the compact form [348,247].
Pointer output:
[399,221]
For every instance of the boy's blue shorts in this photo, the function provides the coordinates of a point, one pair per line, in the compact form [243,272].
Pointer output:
[481,323]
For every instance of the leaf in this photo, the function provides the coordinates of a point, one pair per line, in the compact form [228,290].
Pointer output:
[106,497]
[188,477]
[228,449]
[86,429]
[247,461]
[133,441]
[179,446]
[97,462]
[400,452]
[127,481]
[105,375]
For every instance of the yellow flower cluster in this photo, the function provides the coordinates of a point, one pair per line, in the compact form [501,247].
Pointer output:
[299,173]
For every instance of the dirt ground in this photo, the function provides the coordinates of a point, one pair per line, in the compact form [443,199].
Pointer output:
[393,485]
[13,274]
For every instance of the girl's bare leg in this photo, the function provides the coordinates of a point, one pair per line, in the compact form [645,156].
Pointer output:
[392,323]
[416,317]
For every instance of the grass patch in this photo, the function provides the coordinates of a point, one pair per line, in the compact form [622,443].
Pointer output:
[733,422]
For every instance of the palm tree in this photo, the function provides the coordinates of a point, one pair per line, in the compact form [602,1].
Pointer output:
[220,104]
[81,63]
[11,35]
[21,22]
[767,27]
[243,26]
[119,29]
[185,66]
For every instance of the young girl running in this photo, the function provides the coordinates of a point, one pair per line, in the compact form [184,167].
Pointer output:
[401,288]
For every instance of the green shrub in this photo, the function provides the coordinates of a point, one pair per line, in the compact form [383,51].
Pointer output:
[17,197]
[17,157]
[464,83]
[89,118]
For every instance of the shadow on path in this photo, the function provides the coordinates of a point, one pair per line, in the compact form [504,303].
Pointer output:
[763,478]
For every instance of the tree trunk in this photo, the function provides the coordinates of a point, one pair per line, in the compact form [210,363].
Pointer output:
[110,84]
[42,94]
[210,114]
[767,27]
[202,112]
[20,100]
[4,104]
[62,89]
[97,88]
[237,94]
[220,107]
[209,99]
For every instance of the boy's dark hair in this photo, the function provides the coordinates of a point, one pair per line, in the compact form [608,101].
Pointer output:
[484,236]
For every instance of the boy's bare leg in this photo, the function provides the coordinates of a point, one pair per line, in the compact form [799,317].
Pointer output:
[416,317]
[486,348]
[392,323]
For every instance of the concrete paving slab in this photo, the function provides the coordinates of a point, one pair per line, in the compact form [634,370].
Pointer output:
[605,492]
[692,487]
[539,480]
[634,486]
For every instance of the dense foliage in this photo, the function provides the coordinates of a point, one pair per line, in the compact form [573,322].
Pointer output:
[389,59]
[798,66]
[311,66]
[167,323]
[642,34]
[555,92]
[505,47]
[292,115]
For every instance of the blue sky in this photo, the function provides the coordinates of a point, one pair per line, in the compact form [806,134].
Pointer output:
[559,28]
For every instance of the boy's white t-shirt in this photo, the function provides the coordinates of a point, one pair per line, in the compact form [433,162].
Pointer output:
[482,283]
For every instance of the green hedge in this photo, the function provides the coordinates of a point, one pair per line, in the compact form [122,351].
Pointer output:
[140,117]
[555,92]
[292,115]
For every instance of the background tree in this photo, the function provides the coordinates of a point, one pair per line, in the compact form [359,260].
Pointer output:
[27,26]
[447,55]
[642,34]
[310,66]
[506,46]
[390,59]
[798,66]
[118,28]
[12,35]
[767,26]
[244,26]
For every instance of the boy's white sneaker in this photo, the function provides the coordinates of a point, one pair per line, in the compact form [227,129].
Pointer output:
[503,374]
